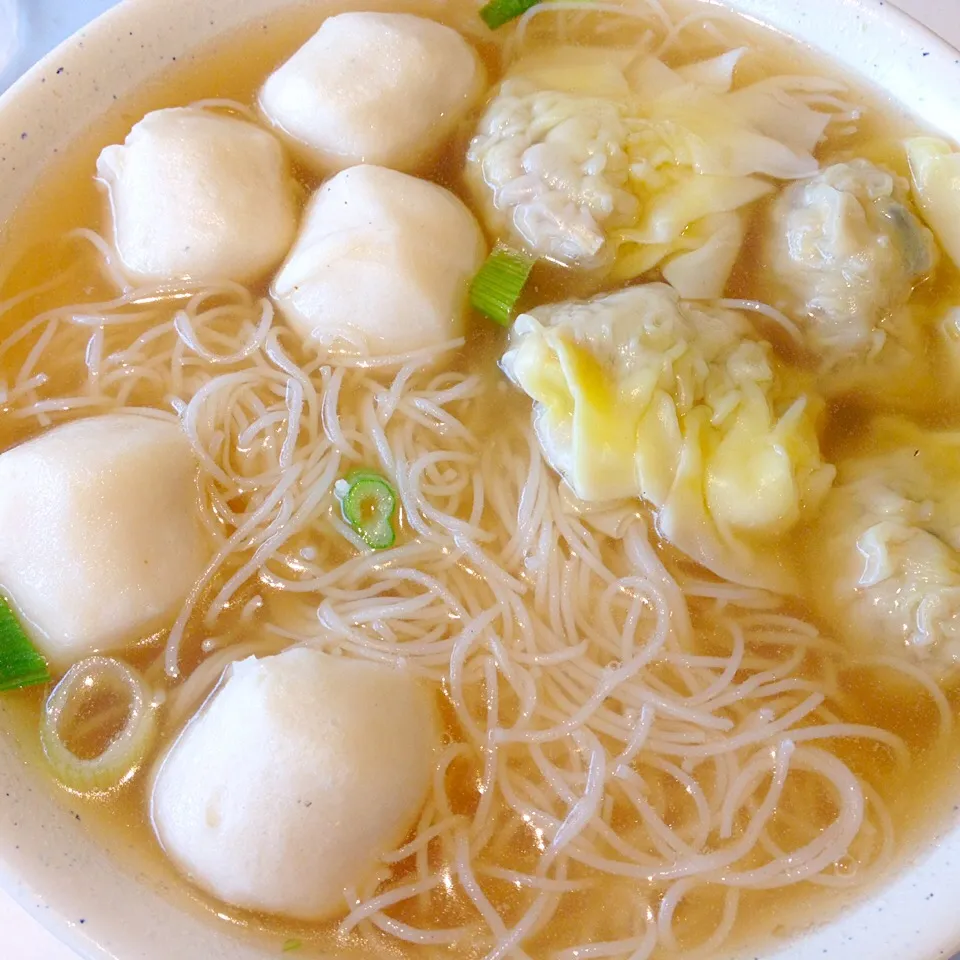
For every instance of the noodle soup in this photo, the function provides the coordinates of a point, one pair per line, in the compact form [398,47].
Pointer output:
[641,748]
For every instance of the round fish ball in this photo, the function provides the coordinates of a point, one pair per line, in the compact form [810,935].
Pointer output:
[293,781]
[102,535]
[381,88]
[200,196]
[382,265]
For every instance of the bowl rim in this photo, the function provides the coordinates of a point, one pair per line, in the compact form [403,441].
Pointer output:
[879,22]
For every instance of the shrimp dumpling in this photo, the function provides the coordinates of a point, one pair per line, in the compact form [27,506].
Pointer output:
[642,394]
[295,779]
[845,251]
[884,557]
[610,161]
[382,265]
[102,538]
[848,251]
[199,195]
[380,88]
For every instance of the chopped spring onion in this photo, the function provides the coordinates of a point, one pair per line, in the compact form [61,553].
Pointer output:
[497,287]
[498,12]
[86,700]
[20,664]
[292,944]
[368,503]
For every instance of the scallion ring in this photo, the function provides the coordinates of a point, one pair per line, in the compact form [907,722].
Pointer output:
[497,286]
[368,503]
[20,663]
[73,700]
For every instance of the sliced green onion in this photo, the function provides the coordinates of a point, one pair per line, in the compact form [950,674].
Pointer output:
[292,944]
[498,12]
[20,663]
[497,287]
[70,700]
[368,504]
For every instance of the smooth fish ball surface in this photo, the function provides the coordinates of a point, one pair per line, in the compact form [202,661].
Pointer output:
[382,88]
[301,772]
[382,265]
[199,195]
[102,537]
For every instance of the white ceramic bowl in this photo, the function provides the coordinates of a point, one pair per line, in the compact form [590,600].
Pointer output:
[99,904]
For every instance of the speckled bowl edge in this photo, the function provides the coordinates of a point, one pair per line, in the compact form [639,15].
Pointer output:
[47,860]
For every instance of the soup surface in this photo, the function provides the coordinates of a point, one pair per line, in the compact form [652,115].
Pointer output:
[640,757]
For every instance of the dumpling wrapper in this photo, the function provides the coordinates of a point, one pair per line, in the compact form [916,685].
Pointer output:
[935,171]
[297,776]
[884,556]
[378,88]
[102,537]
[640,394]
[198,195]
[609,162]
[846,250]
[382,265]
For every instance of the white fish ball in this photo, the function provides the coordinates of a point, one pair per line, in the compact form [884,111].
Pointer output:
[199,195]
[381,88]
[102,536]
[382,265]
[293,781]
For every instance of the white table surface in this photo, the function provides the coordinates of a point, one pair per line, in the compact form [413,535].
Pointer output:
[41,25]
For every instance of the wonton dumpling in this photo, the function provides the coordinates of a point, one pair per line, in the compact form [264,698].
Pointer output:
[846,251]
[641,394]
[382,265]
[378,88]
[294,779]
[102,539]
[199,195]
[885,554]
[601,159]
[935,171]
